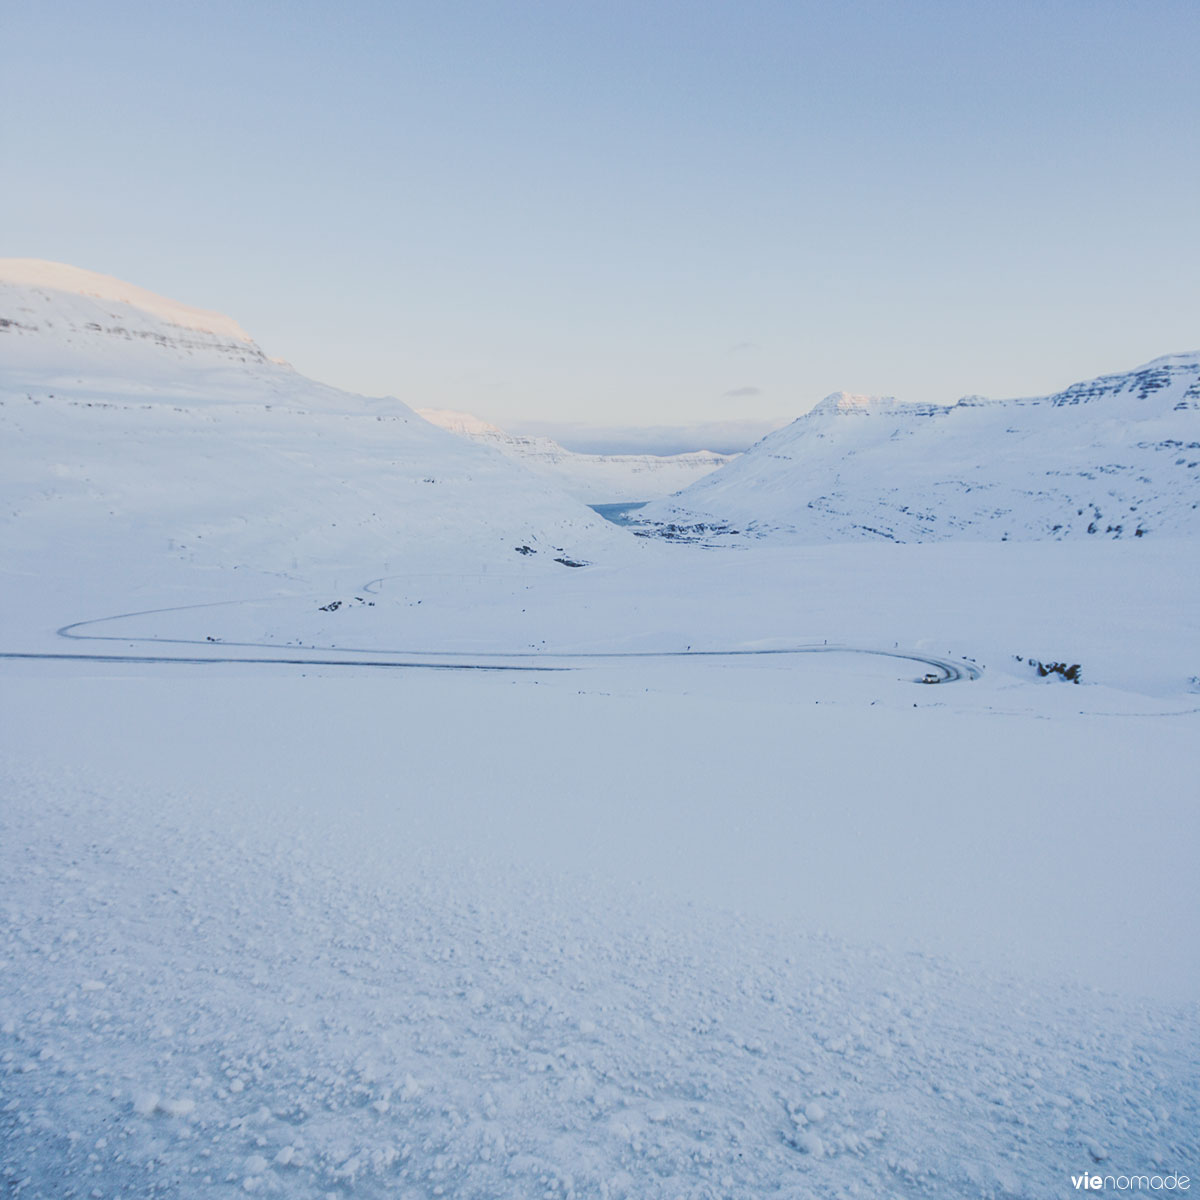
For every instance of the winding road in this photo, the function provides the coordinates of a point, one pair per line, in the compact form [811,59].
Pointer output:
[945,670]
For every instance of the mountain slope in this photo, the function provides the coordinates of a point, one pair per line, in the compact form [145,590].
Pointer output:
[1116,456]
[141,439]
[592,478]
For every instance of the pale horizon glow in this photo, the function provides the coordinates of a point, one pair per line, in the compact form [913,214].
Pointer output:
[624,215]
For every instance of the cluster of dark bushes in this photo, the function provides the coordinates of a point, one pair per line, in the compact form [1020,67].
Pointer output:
[1072,672]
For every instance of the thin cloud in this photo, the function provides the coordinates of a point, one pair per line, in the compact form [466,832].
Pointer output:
[742,393]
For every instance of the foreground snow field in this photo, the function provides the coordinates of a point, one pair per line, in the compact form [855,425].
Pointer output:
[585,934]
[749,926]
[629,870]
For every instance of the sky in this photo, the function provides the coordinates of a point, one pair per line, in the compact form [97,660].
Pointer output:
[628,214]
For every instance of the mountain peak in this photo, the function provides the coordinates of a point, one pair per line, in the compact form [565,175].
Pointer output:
[41,275]
[459,422]
[855,404]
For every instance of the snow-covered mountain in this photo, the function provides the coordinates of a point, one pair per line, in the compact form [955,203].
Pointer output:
[592,478]
[139,437]
[1116,457]
[78,304]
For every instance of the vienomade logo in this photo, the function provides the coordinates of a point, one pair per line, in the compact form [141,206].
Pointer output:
[1132,1183]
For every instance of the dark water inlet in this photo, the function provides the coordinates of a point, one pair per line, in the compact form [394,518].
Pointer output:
[619,514]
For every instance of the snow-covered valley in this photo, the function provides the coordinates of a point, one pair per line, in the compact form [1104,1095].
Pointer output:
[592,478]
[695,891]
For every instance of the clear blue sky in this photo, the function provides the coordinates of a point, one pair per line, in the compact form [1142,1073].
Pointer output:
[628,212]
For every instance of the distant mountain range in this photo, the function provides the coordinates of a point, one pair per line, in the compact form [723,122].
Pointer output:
[1113,457]
[592,478]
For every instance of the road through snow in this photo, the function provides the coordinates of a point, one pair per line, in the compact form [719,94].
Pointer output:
[947,670]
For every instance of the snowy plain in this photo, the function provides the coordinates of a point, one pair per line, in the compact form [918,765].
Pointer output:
[632,879]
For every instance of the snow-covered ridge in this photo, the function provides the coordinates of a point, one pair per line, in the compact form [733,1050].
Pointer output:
[1168,374]
[1173,377]
[852,404]
[60,322]
[849,404]
[593,478]
[59,277]
[1115,456]
[466,424]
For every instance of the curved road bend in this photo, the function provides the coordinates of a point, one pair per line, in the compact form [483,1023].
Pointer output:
[947,670]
